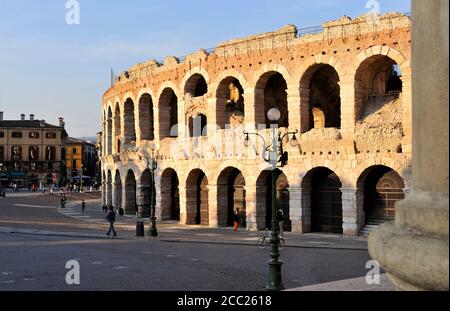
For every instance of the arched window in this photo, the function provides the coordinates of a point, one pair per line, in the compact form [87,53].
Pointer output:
[196,86]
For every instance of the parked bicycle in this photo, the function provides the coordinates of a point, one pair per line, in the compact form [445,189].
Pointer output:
[265,241]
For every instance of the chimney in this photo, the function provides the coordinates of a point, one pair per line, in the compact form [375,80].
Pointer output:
[61,122]
[42,123]
[22,117]
[31,117]
[1,115]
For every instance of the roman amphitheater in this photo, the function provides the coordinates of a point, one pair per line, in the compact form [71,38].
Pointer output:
[345,86]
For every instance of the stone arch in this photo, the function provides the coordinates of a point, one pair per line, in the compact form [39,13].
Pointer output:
[378,80]
[271,92]
[230,102]
[194,71]
[198,125]
[145,193]
[170,195]
[117,128]
[264,198]
[230,197]
[168,113]
[322,201]
[129,122]
[320,91]
[146,117]
[379,188]
[109,129]
[117,199]
[197,210]
[130,193]
[109,189]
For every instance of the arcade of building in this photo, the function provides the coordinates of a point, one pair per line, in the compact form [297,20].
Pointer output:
[345,86]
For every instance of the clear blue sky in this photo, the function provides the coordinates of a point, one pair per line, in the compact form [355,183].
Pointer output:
[53,69]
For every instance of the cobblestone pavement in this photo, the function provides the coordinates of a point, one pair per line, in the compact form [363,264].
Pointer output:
[181,258]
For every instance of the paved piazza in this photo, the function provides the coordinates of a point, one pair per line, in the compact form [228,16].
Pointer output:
[37,239]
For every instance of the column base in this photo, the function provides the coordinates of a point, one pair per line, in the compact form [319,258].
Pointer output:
[413,261]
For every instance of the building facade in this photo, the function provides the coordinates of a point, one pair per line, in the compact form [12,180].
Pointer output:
[81,158]
[345,86]
[31,152]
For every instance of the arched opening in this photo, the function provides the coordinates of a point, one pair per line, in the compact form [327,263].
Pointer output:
[321,98]
[378,82]
[168,114]
[117,190]
[145,193]
[198,126]
[130,194]
[264,198]
[196,86]
[146,117]
[117,127]
[230,197]
[109,124]
[129,123]
[170,195]
[382,188]
[109,189]
[230,103]
[271,93]
[322,199]
[197,198]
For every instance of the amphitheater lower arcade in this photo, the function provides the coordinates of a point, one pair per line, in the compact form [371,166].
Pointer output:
[346,89]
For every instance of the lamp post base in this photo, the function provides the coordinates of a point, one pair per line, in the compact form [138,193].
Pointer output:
[275,282]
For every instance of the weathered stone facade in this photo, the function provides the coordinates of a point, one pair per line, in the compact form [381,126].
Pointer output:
[346,88]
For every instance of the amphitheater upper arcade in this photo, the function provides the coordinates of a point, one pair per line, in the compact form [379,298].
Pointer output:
[347,89]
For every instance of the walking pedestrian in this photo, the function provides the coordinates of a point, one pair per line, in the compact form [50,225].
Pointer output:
[111,218]
[83,206]
[280,218]
[236,220]
[104,209]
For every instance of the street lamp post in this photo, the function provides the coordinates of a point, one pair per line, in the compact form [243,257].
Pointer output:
[277,158]
[81,178]
[152,165]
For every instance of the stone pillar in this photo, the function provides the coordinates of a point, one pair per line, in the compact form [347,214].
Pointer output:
[414,249]
[349,212]
[250,209]
[183,203]
[348,114]
[293,99]
[103,193]
[249,109]
[295,209]
[212,206]
[158,199]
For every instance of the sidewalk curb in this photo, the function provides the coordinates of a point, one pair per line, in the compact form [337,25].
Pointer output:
[59,234]
[174,240]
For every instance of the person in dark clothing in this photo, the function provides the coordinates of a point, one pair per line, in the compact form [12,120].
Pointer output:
[111,218]
[236,220]
[83,206]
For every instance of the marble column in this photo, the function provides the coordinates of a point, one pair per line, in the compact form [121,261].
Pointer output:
[414,249]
